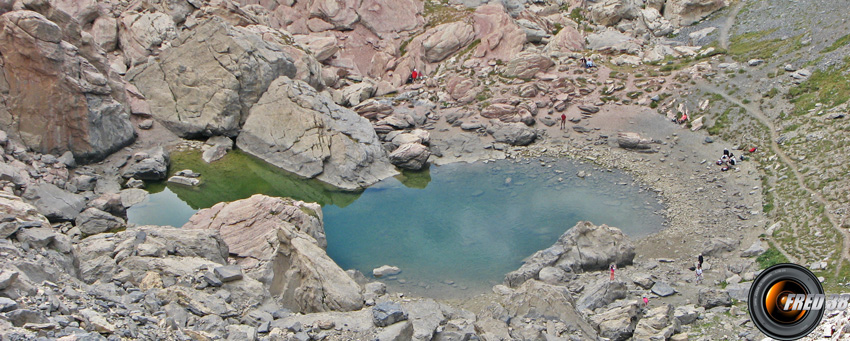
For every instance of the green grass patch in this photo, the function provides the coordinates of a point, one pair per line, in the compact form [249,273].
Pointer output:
[771,257]
[557,29]
[470,47]
[577,16]
[441,12]
[403,47]
[752,45]
[720,123]
[837,44]
[791,128]
[831,87]
[771,93]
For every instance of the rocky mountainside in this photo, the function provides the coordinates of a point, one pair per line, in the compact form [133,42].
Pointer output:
[200,69]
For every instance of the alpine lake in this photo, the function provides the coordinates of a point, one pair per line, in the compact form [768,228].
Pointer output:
[454,230]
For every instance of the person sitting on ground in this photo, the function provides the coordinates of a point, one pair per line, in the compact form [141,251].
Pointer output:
[682,119]
[589,63]
[725,151]
[583,61]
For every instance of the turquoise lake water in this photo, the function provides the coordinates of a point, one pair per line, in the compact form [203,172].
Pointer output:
[454,230]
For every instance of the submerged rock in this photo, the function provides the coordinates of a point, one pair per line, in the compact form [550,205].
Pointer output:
[385,270]
[184,180]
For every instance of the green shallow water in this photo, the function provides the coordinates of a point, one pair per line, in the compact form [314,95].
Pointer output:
[454,230]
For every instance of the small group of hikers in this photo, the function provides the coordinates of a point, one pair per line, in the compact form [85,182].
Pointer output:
[728,161]
[587,63]
[682,119]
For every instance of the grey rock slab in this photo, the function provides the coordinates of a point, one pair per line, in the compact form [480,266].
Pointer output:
[387,313]
[93,221]
[401,331]
[55,203]
[229,273]
[663,289]
[133,196]
[7,304]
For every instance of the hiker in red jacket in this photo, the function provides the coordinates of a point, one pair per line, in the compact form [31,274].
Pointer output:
[563,121]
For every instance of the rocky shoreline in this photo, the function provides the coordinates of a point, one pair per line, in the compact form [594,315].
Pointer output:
[318,88]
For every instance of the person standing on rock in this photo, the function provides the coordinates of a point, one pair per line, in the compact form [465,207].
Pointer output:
[415,75]
[645,300]
[563,121]
[613,267]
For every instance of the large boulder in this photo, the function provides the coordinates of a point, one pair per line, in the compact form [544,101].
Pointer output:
[147,165]
[341,14]
[297,129]
[138,251]
[143,33]
[93,221]
[13,206]
[584,247]
[611,12]
[323,48]
[279,242]
[631,140]
[658,323]
[413,156]
[527,64]
[230,69]
[612,41]
[391,16]
[686,12]
[83,11]
[709,298]
[61,95]
[444,40]
[541,301]
[501,38]
[656,23]
[515,134]
[569,39]
[617,323]
[600,294]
